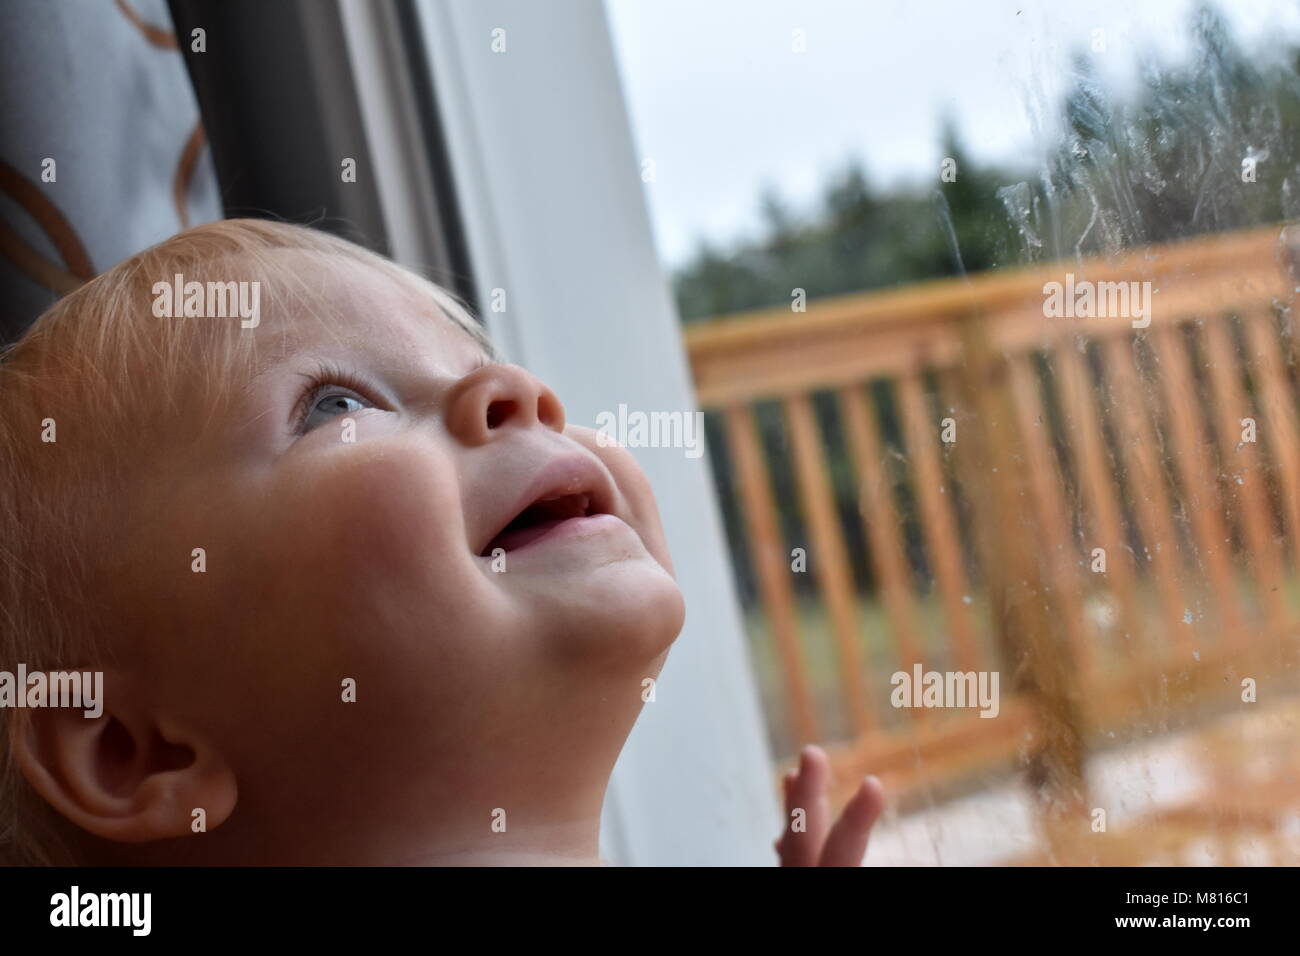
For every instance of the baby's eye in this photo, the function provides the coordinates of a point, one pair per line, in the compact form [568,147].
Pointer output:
[330,402]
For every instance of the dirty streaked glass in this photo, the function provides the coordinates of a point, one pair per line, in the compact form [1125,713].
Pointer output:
[995,339]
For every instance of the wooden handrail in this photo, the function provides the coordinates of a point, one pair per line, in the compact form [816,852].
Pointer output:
[770,353]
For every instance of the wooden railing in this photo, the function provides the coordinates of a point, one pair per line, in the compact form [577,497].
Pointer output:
[1070,435]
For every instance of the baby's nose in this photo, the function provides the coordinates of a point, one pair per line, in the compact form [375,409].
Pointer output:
[491,400]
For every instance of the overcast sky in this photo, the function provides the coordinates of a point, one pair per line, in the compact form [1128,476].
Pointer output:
[723,105]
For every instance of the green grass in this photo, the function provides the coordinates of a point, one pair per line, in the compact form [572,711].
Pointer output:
[880,656]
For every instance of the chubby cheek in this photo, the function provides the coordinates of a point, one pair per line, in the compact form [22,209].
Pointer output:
[353,564]
[363,561]
[379,518]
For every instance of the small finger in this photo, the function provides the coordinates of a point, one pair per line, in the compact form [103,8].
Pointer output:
[807,818]
[847,843]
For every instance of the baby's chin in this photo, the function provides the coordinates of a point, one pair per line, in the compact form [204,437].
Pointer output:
[628,611]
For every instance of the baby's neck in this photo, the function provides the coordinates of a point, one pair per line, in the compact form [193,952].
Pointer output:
[507,857]
[571,843]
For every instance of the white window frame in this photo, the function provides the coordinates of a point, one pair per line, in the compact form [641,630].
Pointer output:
[549,191]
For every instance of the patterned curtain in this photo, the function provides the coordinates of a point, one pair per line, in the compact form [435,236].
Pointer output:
[102,151]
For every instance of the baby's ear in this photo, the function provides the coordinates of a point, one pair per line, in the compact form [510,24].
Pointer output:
[126,774]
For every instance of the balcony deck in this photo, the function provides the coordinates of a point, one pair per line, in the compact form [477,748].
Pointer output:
[1104,511]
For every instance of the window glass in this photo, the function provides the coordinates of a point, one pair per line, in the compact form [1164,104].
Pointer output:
[989,307]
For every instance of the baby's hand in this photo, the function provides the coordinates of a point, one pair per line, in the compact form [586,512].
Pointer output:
[816,842]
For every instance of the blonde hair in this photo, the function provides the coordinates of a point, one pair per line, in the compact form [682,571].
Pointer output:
[94,362]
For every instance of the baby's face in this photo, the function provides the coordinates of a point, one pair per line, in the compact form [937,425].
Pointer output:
[383,506]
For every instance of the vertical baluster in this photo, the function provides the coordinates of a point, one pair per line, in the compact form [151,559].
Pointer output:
[1243,460]
[1153,510]
[880,523]
[1045,485]
[938,521]
[828,556]
[1196,475]
[1277,417]
[770,565]
[1098,486]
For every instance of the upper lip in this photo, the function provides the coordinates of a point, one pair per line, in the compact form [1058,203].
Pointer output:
[569,474]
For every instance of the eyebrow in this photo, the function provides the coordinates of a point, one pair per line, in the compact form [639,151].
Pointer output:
[269,363]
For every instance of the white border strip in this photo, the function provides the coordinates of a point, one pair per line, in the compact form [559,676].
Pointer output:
[550,194]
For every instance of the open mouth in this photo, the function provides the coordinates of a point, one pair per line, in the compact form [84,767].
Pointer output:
[538,519]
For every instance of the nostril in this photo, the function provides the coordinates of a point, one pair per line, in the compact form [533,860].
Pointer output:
[498,412]
[549,410]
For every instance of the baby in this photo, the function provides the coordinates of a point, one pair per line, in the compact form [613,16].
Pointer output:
[358,592]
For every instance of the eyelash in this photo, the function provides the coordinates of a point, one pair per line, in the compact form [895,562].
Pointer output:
[326,376]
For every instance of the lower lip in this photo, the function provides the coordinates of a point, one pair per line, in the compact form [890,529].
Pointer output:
[573,528]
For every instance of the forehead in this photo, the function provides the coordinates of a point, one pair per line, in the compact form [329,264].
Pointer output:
[337,305]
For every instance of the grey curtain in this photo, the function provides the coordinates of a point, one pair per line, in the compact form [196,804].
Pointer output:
[100,88]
